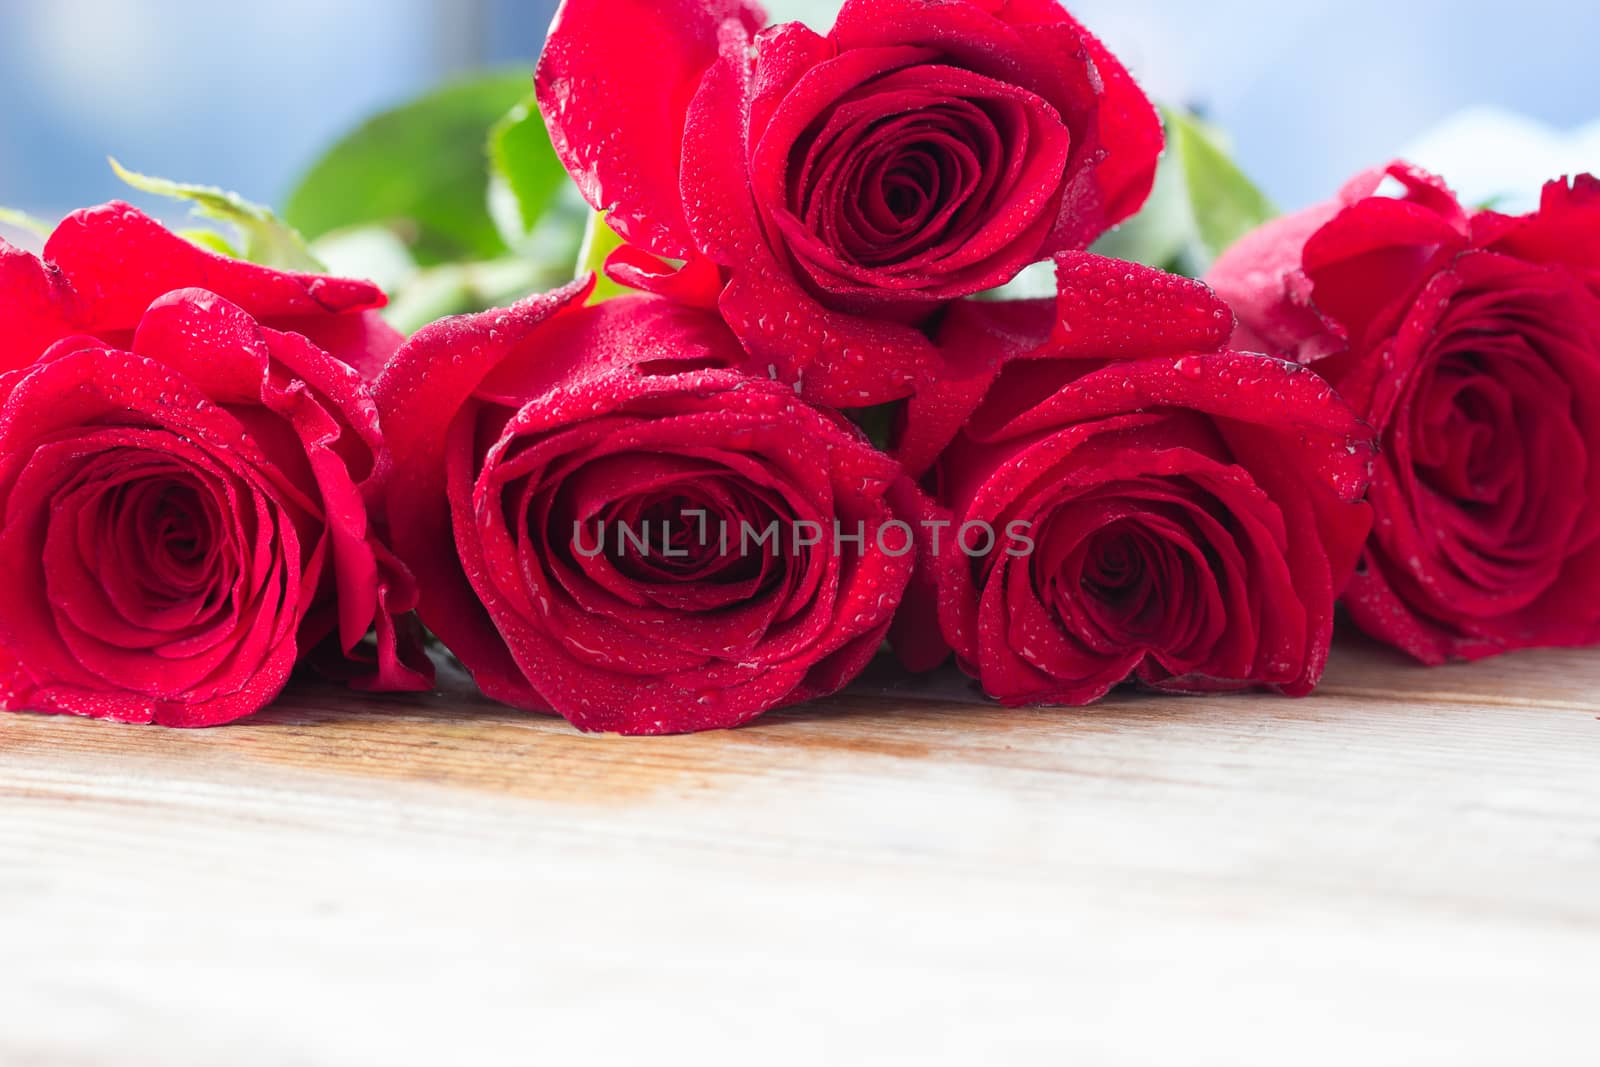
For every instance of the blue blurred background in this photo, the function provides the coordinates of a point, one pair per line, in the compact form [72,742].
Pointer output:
[245,96]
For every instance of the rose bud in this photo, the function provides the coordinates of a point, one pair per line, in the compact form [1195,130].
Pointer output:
[830,193]
[1169,511]
[187,462]
[1470,342]
[610,524]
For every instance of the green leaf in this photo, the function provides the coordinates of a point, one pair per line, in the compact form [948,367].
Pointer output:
[211,240]
[524,163]
[599,241]
[1226,204]
[19,220]
[422,168]
[266,239]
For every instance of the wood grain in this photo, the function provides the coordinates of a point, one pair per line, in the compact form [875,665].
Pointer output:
[1401,869]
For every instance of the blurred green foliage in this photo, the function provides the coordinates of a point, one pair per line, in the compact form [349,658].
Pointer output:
[453,202]
[422,168]
[1201,203]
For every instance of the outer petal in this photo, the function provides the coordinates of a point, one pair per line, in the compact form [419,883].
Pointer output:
[830,357]
[784,53]
[1368,264]
[37,307]
[1261,278]
[715,178]
[419,394]
[1328,529]
[613,84]
[51,698]
[1565,229]
[1130,138]
[1242,386]
[120,261]
[697,283]
[1104,309]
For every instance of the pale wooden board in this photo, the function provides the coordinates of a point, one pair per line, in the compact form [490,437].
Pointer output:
[1402,869]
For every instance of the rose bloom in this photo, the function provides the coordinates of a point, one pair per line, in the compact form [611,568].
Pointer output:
[530,441]
[187,463]
[830,193]
[1194,511]
[1470,341]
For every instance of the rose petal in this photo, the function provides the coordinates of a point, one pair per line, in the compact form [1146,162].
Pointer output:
[618,126]
[37,307]
[121,260]
[429,380]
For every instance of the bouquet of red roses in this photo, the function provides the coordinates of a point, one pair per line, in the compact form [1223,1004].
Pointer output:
[806,414]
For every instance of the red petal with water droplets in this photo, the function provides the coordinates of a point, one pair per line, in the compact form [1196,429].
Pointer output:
[120,261]
[432,377]
[1105,309]
[37,307]
[614,83]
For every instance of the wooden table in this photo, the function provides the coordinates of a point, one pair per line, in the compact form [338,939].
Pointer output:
[1402,869]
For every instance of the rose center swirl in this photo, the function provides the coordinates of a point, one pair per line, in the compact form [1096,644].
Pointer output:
[884,185]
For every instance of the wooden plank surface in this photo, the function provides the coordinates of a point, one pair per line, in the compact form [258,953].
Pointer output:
[1403,868]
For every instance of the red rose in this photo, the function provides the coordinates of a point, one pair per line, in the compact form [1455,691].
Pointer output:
[1163,508]
[185,476]
[575,489]
[1471,344]
[830,193]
